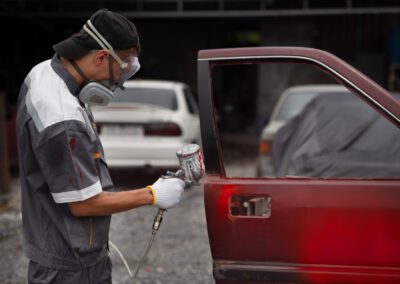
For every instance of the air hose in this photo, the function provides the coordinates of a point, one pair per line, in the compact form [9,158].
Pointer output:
[156,225]
[192,170]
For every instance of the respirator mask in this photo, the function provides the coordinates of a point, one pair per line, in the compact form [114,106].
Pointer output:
[102,92]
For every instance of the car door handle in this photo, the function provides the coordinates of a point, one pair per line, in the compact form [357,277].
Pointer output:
[251,206]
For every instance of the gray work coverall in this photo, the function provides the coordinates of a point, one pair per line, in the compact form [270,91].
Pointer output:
[61,160]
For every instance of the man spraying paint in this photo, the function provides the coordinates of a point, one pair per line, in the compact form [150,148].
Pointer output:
[67,193]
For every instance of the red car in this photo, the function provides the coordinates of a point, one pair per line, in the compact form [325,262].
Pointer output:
[295,229]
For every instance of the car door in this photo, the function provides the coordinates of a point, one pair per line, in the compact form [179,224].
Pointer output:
[295,229]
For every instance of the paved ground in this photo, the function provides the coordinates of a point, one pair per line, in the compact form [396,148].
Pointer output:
[12,263]
[180,253]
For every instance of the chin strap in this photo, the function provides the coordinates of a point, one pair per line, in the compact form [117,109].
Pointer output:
[79,71]
[112,83]
[110,70]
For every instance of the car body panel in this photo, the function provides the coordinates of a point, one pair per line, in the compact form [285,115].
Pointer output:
[314,224]
[317,230]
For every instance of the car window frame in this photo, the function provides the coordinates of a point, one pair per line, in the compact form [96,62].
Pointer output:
[346,75]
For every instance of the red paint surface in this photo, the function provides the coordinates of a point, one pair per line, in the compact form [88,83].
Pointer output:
[347,225]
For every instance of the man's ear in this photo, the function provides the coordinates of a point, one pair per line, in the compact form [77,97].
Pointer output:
[100,57]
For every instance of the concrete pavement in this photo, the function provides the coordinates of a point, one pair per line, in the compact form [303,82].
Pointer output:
[180,253]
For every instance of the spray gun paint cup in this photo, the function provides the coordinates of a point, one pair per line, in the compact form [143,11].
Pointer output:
[191,162]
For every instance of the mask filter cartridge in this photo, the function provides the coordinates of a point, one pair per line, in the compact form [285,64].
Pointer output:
[95,93]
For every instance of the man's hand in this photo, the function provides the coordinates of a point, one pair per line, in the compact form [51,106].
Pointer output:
[107,203]
[167,192]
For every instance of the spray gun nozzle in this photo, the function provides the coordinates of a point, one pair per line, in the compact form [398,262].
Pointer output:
[158,220]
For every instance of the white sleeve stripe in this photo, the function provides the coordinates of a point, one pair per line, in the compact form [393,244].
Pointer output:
[78,195]
[53,104]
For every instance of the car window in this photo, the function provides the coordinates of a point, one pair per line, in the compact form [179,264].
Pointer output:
[323,130]
[154,96]
[190,102]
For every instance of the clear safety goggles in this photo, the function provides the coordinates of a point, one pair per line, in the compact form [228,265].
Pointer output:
[129,66]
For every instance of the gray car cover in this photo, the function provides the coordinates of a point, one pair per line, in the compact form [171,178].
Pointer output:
[337,135]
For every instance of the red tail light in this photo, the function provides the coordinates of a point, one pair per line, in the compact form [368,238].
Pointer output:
[162,129]
[152,129]
[265,147]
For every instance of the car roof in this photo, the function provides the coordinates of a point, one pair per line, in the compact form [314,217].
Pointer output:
[320,88]
[163,84]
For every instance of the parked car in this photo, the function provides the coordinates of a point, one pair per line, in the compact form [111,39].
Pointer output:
[298,229]
[290,104]
[147,123]
[340,137]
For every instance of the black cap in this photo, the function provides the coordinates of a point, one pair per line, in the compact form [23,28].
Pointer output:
[115,28]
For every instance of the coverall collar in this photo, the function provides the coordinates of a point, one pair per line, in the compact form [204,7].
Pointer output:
[60,69]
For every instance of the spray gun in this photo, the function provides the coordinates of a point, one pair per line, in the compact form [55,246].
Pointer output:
[191,171]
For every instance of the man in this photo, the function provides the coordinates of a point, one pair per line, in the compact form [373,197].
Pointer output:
[67,192]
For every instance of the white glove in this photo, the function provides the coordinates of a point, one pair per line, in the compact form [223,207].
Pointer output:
[167,192]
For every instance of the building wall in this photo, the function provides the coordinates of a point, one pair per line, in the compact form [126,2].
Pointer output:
[170,45]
